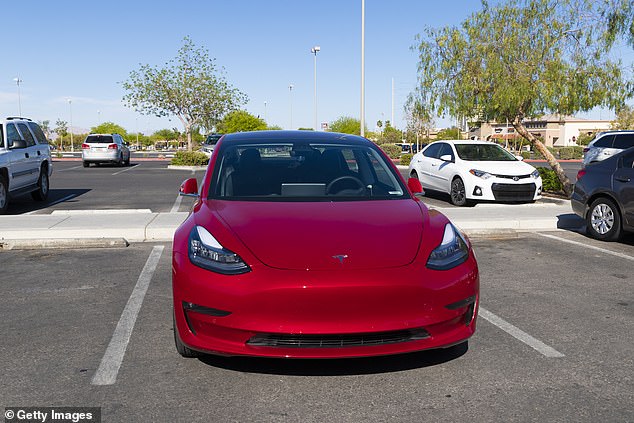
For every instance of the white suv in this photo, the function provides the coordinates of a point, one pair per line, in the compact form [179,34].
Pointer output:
[607,144]
[25,160]
[105,148]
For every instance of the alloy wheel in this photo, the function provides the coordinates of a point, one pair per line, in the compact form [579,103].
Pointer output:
[458,194]
[602,218]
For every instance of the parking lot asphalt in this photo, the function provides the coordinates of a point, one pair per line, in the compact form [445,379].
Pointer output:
[554,289]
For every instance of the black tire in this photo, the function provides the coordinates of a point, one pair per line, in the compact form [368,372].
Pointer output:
[4,194]
[414,174]
[180,347]
[42,186]
[86,164]
[120,163]
[458,194]
[127,162]
[603,220]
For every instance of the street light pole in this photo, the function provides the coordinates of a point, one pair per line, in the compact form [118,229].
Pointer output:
[362,68]
[18,81]
[290,90]
[70,129]
[265,112]
[314,50]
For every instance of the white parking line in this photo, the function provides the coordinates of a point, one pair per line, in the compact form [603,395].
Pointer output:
[69,168]
[591,247]
[111,362]
[519,334]
[129,168]
[177,204]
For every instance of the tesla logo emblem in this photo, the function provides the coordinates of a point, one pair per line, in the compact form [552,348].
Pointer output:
[340,257]
[515,178]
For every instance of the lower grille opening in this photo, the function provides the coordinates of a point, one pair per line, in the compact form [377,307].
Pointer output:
[337,341]
[514,192]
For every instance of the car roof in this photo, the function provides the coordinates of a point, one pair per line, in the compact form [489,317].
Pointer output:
[470,142]
[256,137]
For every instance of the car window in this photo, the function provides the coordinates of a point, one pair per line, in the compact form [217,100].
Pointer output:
[26,133]
[484,153]
[1,136]
[39,134]
[212,139]
[12,134]
[99,139]
[304,171]
[604,142]
[628,160]
[445,149]
[432,150]
[623,141]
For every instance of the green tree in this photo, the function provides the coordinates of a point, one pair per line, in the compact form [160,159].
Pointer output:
[190,87]
[46,127]
[240,121]
[618,17]
[517,60]
[624,118]
[164,135]
[452,133]
[390,134]
[346,125]
[109,128]
[61,129]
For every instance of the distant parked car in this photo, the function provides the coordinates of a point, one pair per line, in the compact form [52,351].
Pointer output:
[607,144]
[105,148]
[210,143]
[475,170]
[604,196]
[25,161]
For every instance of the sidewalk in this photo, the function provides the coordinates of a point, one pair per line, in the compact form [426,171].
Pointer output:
[87,228]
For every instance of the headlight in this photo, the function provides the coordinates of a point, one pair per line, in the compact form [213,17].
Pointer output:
[451,252]
[535,174]
[206,252]
[480,174]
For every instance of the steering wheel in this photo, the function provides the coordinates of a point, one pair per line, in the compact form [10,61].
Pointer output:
[354,179]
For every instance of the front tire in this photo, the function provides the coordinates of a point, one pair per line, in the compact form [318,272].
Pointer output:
[458,193]
[42,186]
[4,195]
[86,164]
[603,220]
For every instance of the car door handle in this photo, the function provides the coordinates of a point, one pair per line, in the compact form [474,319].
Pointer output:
[622,178]
[26,155]
[38,153]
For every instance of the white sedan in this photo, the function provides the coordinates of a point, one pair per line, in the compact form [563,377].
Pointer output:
[475,170]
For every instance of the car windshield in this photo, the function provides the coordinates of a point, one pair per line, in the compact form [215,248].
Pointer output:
[101,139]
[484,153]
[212,139]
[303,171]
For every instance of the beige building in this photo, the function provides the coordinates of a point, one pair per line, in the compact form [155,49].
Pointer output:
[555,130]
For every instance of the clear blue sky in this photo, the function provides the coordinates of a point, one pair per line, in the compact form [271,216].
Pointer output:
[82,50]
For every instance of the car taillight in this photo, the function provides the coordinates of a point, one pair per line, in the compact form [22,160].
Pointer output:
[85,146]
[580,174]
[112,147]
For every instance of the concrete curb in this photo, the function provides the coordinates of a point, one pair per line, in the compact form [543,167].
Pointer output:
[63,243]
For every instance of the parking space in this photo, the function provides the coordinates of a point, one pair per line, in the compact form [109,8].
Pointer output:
[60,318]
[143,185]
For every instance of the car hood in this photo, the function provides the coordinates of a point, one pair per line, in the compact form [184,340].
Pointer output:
[501,168]
[326,235]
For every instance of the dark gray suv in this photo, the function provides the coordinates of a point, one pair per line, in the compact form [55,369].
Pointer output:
[604,196]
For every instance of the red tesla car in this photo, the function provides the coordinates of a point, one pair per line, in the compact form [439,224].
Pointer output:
[310,245]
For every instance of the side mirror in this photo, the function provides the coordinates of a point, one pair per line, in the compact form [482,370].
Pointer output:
[189,188]
[415,187]
[18,144]
[446,158]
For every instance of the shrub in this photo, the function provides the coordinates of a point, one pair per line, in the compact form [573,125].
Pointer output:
[568,153]
[550,181]
[539,155]
[392,150]
[406,159]
[190,158]
[526,155]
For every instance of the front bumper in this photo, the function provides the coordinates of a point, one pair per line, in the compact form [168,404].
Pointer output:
[503,189]
[324,314]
